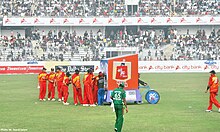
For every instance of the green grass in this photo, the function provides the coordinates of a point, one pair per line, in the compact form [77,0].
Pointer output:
[181,108]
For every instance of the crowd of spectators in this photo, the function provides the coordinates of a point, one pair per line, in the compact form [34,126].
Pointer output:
[105,8]
[201,46]
[55,45]
[16,48]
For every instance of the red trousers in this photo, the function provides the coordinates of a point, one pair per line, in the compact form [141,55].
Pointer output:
[43,88]
[65,93]
[51,90]
[213,100]
[77,92]
[59,90]
[95,94]
[88,94]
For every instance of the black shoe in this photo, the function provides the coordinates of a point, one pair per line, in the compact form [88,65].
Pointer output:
[116,130]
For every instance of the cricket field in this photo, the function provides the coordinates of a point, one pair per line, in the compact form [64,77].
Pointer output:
[181,108]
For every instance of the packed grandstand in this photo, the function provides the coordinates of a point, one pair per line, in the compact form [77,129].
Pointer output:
[89,43]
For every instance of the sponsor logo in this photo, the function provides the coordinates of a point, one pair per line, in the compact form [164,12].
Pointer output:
[7,21]
[182,20]
[123,20]
[65,20]
[212,19]
[52,21]
[140,20]
[81,20]
[32,62]
[37,21]
[177,67]
[94,20]
[20,69]
[169,20]
[153,20]
[210,62]
[198,19]
[23,20]
[121,71]
[72,68]
[110,20]
[150,67]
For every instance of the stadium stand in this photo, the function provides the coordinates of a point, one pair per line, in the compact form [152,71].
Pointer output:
[153,44]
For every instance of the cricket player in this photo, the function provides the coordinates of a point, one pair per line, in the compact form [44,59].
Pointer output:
[118,96]
[59,81]
[77,91]
[51,85]
[101,89]
[95,88]
[66,82]
[213,85]
[42,78]
[88,94]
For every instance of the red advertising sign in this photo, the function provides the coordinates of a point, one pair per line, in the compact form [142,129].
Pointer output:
[121,72]
[20,69]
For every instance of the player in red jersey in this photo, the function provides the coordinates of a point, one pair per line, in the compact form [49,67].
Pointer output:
[51,85]
[88,94]
[77,91]
[66,82]
[42,78]
[59,81]
[213,85]
[95,89]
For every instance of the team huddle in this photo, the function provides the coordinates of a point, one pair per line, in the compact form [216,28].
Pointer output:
[93,87]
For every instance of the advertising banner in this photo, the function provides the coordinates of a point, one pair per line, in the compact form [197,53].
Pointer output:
[123,69]
[111,21]
[20,69]
[72,68]
[178,66]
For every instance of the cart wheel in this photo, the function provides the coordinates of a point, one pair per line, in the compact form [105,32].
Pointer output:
[152,97]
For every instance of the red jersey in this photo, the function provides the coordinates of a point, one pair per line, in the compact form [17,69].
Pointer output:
[42,77]
[51,77]
[88,79]
[60,76]
[84,77]
[76,80]
[66,81]
[213,83]
[95,80]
